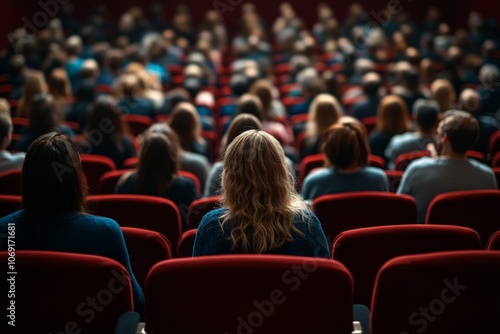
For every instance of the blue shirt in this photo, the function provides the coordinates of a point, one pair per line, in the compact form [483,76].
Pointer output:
[426,178]
[212,240]
[74,233]
[332,181]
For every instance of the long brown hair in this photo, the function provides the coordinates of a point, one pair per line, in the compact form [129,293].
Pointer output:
[258,194]
[185,121]
[392,115]
[324,111]
[59,85]
[52,176]
[105,113]
[35,84]
[158,165]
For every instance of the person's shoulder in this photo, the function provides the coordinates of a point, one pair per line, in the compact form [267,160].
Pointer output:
[183,181]
[211,218]
[97,220]
[11,218]
[319,175]
[374,171]
[480,166]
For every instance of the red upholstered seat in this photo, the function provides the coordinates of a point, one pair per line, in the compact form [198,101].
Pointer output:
[10,204]
[186,243]
[476,209]
[449,292]
[364,251]
[403,160]
[52,292]
[146,248]
[147,212]
[249,293]
[199,208]
[341,212]
[137,124]
[494,242]
[11,182]
[95,166]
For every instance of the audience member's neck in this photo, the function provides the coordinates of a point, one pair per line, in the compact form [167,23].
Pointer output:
[349,170]
[450,154]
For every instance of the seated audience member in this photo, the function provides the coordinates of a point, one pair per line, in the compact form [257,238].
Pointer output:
[157,174]
[371,83]
[74,63]
[392,119]
[470,101]
[60,89]
[80,111]
[261,212]
[426,114]
[312,85]
[325,111]
[106,133]
[444,94]
[346,148]
[53,216]
[409,88]
[426,178]
[133,101]
[43,118]
[186,123]
[34,84]
[240,124]
[489,91]
[194,163]
[8,160]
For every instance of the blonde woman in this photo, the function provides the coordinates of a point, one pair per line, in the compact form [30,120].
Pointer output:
[261,212]
[444,94]
[325,111]
[35,84]
[186,123]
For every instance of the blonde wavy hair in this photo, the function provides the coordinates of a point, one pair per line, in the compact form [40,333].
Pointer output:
[325,111]
[258,194]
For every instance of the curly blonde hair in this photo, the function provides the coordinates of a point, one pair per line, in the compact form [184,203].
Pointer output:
[260,199]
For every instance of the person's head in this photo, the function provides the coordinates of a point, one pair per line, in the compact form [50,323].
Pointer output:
[85,93]
[4,106]
[158,164]
[258,193]
[59,85]
[489,75]
[52,176]
[443,93]
[263,89]
[324,111]
[250,104]
[345,145]
[371,83]
[90,69]
[310,82]
[239,84]
[35,84]
[186,122]
[105,118]
[193,86]
[240,124]
[392,115]
[162,128]
[43,117]
[114,60]
[131,86]
[426,113]
[457,133]
[470,101]
[74,46]
[6,129]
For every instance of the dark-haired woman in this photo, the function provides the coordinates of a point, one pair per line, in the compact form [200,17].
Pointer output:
[157,174]
[53,216]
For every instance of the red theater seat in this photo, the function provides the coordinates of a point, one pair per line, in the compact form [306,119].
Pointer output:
[199,208]
[476,209]
[147,212]
[403,160]
[52,292]
[450,292]
[95,166]
[186,243]
[364,251]
[10,204]
[145,248]
[341,212]
[494,242]
[11,182]
[255,293]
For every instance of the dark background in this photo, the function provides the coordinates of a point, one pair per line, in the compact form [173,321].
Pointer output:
[454,12]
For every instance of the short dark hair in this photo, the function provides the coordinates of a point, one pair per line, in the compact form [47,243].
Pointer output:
[52,176]
[5,125]
[426,114]
[346,144]
[461,128]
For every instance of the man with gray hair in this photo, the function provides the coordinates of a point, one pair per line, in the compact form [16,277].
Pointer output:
[489,91]
[8,160]
[426,122]
[426,177]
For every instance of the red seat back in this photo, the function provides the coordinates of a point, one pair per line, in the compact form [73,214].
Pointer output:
[451,292]
[364,251]
[341,212]
[476,209]
[10,204]
[246,292]
[11,182]
[137,124]
[52,292]
[403,160]
[494,242]
[186,243]
[494,145]
[200,208]
[147,212]
[394,177]
[145,248]
[94,167]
